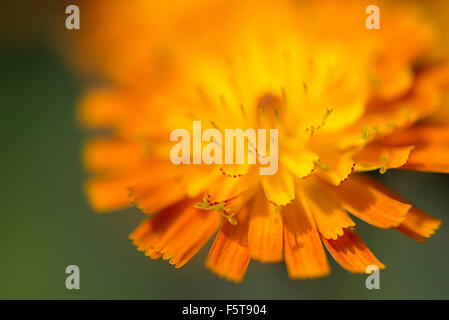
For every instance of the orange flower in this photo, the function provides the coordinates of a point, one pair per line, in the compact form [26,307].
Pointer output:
[344,100]
[141,45]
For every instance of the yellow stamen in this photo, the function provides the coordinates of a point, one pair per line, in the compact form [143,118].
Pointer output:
[328,113]
[391,124]
[284,97]
[214,124]
[312,129]
[375,130]
[148,149]
[205,205]
[383,168]
[366,132]
[242,109]
[320,165]
[276,114]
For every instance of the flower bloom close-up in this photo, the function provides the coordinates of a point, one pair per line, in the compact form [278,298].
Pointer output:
[348,103]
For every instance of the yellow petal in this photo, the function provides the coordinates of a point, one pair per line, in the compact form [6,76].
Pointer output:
[300,164]
[330,218]
[279,188]
[375,155]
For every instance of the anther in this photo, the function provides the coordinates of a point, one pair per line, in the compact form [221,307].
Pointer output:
[320,165]
[383,168]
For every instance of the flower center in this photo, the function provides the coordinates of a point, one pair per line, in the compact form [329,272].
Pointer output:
[269,109]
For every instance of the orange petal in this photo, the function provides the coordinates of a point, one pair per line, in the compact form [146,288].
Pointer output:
[177,233]
[375,155]
[195,179]
[106,194]
[229,255]
[370,201]
[224,188]
[153,254]
[152,198]
[436,75]
[111,192]
[382,119]
[279,188]
[351,253]
[102,108]
[418,135]
[265,231]
[303,250]
[418,225]
[107,154]
[430,158]
[395,80]
[430,152]
[328,214]
[234,170]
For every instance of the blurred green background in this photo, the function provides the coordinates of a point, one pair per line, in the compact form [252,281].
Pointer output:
[46,224]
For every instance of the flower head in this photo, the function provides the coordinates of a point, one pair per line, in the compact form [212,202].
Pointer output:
[344,100]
